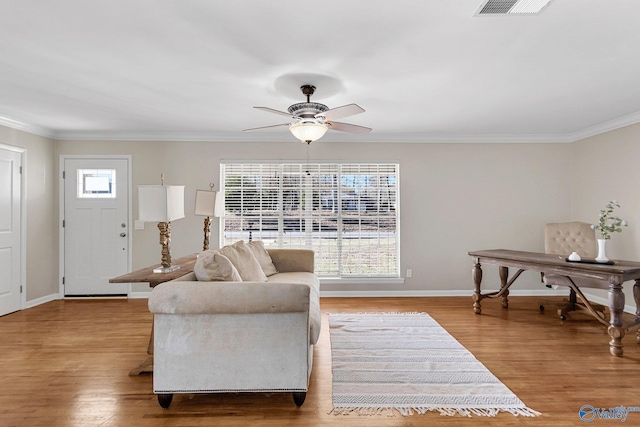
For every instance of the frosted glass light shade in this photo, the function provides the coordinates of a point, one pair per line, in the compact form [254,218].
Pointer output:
[160,203]
[308,132]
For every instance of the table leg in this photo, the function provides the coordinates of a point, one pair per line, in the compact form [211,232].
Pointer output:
[147,364]
[616,308]
[504,276]
[477,279]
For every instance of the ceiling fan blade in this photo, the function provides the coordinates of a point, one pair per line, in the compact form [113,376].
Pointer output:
[271,110]
[346,127]
[266,127]
[340,112]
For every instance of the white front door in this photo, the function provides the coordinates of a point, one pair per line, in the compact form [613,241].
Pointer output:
[96,225]
[10,223]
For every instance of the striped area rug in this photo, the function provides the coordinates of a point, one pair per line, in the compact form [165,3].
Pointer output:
[406,362]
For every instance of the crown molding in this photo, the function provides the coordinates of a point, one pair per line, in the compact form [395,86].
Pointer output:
[630,119]
[334,137]
[614,124]
[160,136]
[15,124]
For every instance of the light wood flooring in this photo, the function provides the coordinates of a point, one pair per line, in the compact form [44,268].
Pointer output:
[66,363]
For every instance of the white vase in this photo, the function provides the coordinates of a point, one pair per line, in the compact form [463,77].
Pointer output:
[602,256]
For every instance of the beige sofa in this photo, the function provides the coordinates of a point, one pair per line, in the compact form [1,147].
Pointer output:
[238,336]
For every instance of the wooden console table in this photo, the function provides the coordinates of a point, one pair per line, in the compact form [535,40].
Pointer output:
[612,277]
[146,275]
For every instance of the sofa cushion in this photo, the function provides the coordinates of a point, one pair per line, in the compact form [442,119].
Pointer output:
[245,262]
[288,260]
[212,266]
[263,257]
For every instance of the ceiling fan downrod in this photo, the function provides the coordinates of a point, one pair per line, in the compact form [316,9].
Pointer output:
[308,90]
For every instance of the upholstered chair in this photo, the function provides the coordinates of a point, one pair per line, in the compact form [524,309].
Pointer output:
[562,239]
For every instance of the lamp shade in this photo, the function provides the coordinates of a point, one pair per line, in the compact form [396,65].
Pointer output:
[206,202]
[308,131]
[160,203]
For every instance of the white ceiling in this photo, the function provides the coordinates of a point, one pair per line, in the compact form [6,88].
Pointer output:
[424,70]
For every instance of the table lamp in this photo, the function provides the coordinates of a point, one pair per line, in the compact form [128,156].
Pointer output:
[162,204]
[209,203]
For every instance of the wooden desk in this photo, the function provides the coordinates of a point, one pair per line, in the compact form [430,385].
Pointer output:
[146,275]
[612,277]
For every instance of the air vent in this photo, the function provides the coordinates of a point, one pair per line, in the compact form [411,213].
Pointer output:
[511,7]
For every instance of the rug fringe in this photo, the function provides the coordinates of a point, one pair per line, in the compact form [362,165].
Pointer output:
[449,412]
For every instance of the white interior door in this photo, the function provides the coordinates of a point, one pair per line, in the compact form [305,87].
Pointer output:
[10,232]
[96,225]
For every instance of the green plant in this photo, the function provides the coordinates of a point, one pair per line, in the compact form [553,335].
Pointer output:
[607,223]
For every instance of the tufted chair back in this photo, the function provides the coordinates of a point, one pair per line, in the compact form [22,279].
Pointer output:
[562,238]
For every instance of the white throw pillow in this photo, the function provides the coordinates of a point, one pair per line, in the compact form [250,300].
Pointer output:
[263,257]
[212,266]
[245,262]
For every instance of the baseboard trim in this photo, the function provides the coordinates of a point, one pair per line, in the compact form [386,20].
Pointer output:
[604,301]
[139,295]
[444,293]
[388,294]
[42,300]
[400,294]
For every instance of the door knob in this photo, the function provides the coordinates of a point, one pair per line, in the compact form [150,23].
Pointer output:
[123,234]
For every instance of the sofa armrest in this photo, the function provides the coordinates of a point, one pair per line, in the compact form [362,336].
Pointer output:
[292,260]
[228,297]
[189,277]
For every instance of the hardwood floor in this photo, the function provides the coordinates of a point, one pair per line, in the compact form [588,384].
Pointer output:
[66,363]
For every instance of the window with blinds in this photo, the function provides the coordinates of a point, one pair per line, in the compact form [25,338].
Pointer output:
[347,213]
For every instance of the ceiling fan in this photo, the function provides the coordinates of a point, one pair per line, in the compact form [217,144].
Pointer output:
[311,120]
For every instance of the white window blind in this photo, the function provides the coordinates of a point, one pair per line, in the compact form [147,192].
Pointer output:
[347,213]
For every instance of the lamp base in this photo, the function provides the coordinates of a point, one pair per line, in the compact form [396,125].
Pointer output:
[166,269]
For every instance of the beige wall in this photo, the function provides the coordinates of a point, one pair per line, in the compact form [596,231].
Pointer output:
[454,198]
[42,212]
[604,168]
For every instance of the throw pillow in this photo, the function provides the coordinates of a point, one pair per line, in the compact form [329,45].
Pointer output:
[263,257]
[212,266]
[245,262]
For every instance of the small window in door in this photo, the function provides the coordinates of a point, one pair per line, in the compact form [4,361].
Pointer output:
[96,183]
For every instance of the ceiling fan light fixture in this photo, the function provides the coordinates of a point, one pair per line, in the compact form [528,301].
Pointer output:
[311,120]
[308,131]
